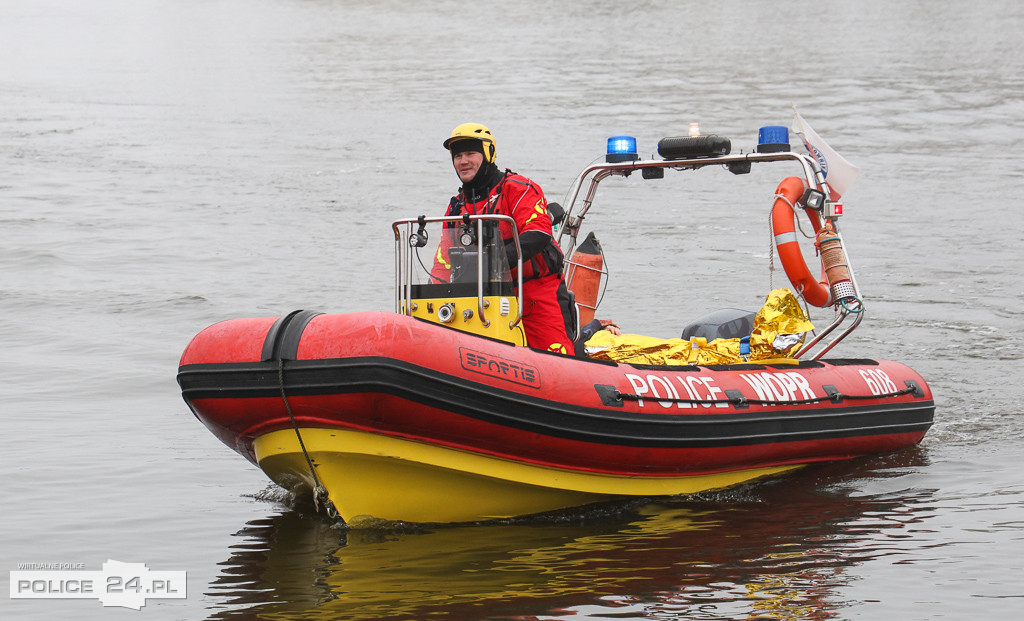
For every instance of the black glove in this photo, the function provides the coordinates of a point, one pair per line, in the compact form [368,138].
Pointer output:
[531,242]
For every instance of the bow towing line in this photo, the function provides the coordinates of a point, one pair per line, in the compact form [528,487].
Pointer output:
[439,411]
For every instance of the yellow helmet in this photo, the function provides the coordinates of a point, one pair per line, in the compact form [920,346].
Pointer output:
[474,131]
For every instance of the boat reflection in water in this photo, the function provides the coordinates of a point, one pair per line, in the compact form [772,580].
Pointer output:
[779,550]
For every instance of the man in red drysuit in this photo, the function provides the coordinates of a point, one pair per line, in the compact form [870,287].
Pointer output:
[547,316]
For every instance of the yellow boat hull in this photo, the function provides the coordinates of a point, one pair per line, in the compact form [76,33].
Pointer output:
[370,477]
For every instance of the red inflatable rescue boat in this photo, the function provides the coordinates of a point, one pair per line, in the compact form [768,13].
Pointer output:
[439,412]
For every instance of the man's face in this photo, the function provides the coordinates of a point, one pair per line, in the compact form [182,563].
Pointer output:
[467,163]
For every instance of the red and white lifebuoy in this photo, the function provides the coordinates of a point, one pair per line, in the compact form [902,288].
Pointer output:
[816,291]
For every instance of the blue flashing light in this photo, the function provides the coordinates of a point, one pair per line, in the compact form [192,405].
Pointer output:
[772,139]
[621,149]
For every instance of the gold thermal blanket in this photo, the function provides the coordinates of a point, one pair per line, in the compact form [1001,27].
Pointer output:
[779,329]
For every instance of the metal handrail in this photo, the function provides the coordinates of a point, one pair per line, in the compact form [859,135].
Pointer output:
[812,175]
[843,314]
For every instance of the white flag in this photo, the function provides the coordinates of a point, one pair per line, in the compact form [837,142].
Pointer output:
[839,173]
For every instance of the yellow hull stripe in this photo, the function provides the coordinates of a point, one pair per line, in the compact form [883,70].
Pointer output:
[372,476]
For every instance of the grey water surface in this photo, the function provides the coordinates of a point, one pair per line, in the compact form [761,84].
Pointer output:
[166,164]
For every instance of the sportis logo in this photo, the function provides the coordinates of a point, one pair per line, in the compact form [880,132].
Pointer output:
[500,368]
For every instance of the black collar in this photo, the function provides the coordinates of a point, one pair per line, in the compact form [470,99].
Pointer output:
[480,186]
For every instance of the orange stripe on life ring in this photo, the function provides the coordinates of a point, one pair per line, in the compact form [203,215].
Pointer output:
[815,291]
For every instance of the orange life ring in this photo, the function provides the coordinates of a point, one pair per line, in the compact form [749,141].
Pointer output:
[815,291]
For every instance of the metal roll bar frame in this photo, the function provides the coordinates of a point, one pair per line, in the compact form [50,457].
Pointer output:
[738,164]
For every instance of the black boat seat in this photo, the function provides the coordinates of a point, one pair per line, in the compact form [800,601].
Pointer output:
[727,323]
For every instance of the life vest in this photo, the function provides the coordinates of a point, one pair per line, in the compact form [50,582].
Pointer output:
[523,200]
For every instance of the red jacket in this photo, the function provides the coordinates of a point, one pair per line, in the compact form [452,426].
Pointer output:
[522,199]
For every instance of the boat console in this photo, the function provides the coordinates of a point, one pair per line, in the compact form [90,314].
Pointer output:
[455,271]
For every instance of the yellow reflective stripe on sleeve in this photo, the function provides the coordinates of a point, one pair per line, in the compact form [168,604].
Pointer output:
[540,209]
[442,260]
